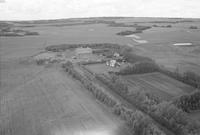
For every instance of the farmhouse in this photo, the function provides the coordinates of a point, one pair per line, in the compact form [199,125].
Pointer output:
[112,63]
[82,52]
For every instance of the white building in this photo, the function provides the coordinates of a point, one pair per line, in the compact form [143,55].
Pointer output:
[81,52]
[112,63]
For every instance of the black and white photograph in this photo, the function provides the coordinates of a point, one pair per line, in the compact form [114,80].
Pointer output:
[99,67]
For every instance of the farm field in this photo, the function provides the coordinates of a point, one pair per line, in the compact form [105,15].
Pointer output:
[163,86]
[159,47]
[53,103]
[15,74]
[37,100]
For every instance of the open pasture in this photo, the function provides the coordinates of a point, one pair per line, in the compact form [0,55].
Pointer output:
[161,85]
[101,68]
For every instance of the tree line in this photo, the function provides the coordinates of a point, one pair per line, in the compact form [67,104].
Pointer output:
[131,57]
[64,47]
[165,113]
[139,68]
[143,65]
[188,77]
[138,122]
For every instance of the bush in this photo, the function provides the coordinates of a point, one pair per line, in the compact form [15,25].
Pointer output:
[189,102]
[138,29]
[28,33]
[128,32]
[40,61]
[193,27]
[142,28]
[169,26]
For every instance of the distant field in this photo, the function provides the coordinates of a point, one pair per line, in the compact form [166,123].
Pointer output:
[15,47]
[159,47]
[164,87]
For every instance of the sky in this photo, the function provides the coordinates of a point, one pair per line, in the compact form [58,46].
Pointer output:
[56,9]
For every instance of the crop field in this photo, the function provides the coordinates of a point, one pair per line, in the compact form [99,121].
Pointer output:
[15,73]
[37,100]
[53,103]
[164,87]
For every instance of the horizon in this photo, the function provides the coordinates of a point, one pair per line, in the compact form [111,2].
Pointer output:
[98,17]
[23,10]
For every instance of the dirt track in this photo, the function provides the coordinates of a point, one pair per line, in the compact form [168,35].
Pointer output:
[54,104]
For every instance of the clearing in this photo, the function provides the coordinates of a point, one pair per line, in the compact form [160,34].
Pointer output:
[101,68]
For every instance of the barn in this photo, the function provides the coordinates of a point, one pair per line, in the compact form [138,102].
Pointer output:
[82,52]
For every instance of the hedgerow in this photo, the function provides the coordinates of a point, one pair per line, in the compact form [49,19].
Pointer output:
[165,113]
[136,120]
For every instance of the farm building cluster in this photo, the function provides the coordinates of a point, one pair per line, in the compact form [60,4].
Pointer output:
[84,55]
[80,55]
[116,60]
